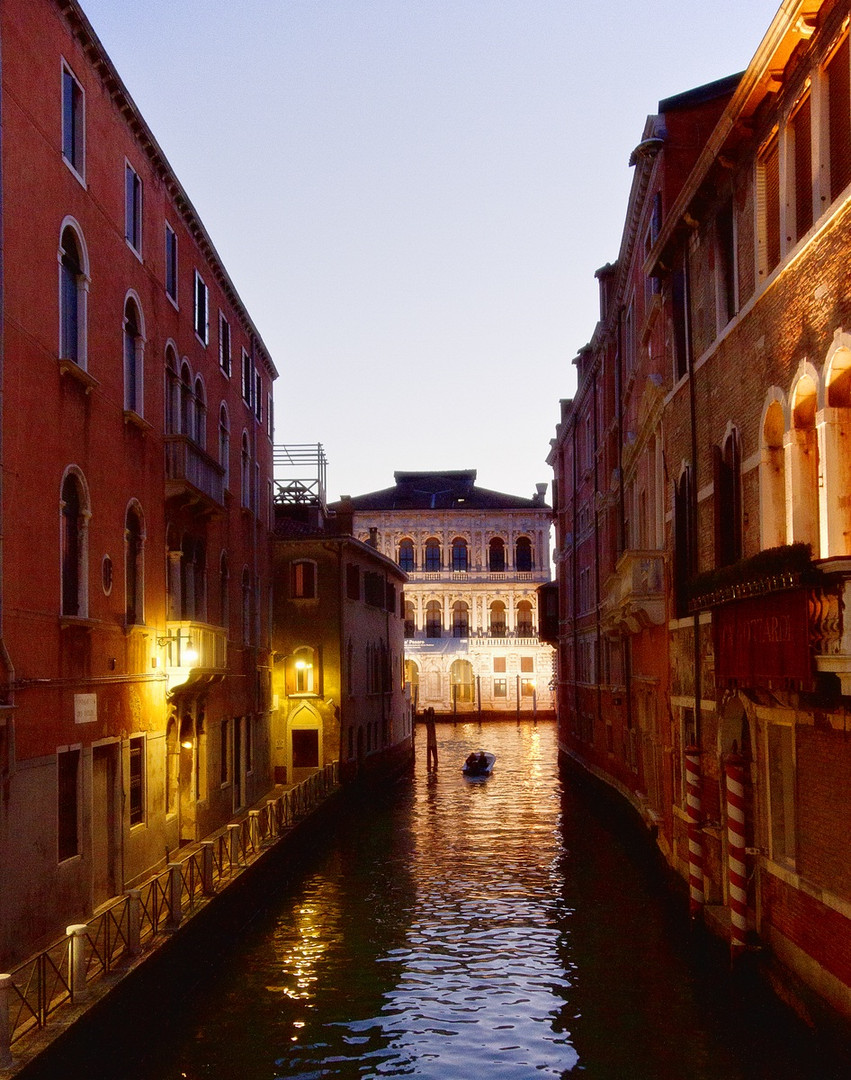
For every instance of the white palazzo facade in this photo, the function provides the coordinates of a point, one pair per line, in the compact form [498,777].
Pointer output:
[475,559]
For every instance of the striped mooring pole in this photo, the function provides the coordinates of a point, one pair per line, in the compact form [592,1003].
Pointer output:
[695,839]
[737,879]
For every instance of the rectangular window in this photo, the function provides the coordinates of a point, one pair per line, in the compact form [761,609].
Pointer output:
[202,311]
[839,119]
[353,582]
[73,123]
[801,131]
[527,687]
[170,262]
[247,378]
[500,688]
[527,663]
[258,395]
[224,345]
[68,779]
[304,580]
[270,415]
[137,781]
[499,663]
[726,273]
[133,208]
[768,202]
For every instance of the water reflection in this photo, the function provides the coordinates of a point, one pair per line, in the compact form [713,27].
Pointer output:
[492,926]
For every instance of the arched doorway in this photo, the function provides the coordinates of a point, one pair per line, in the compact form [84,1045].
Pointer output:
[461,682]
[305,742]
[412,681]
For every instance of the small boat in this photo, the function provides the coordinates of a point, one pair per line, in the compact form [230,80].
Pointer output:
[478,764]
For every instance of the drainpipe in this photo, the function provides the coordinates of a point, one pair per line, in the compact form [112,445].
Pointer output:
[7,691]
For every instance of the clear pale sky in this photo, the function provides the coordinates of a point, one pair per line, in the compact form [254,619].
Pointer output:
[412,196]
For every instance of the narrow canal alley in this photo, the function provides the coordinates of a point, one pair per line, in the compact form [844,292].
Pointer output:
[495,927]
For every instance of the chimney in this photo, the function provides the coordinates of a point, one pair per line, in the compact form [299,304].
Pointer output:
[345,516]
[540,496]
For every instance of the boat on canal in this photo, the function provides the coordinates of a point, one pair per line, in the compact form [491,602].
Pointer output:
[479,764]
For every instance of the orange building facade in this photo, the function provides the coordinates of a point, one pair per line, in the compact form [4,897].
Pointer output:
[136,477]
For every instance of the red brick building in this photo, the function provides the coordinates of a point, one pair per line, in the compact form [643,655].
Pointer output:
[136,471]
[736,546]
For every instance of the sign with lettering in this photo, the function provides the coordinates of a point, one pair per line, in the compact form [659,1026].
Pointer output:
[764,641]
[85,708]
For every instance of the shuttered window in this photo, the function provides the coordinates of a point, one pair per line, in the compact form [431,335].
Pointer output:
[769,207]
[839,118]
[801,129]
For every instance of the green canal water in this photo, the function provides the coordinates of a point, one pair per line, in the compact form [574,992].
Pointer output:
[498,928]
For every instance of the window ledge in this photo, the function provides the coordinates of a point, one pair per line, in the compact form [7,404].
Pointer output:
[137,421]
[80,375]
[76,622]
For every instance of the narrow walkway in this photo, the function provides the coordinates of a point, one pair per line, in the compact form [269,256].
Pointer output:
[42,997]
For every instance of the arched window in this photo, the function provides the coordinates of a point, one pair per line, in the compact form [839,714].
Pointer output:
[224,441]
[134,579]
[804,464]
[459,554]
[496,555]
[73,288]
[410,619]
[835,423]
[406,555]
[497,619]
[523,554]
[727,502]
[172,392]
[74,539]
[772,478]
[199,401]
[434,621]
[185,400]
[304,676]
[684,564]
[524,619]
[245,474]
[134,353]
[460,619]
[432,555]
[224,590]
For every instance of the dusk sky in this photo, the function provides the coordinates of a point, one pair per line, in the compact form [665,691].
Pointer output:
[412,196]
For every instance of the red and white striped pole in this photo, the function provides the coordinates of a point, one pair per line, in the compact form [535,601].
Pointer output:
[737,880]
[695,838]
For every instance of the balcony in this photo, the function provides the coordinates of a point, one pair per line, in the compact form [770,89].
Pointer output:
[191,475]
[478,576]
[635,593]
[194,654]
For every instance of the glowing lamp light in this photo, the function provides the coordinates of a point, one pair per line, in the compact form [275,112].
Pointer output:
[187,744]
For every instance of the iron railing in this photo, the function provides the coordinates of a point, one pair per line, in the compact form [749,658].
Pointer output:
[64,971]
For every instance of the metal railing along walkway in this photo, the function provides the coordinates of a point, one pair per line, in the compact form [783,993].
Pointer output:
[64,972]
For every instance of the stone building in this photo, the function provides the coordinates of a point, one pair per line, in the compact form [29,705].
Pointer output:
[135,459]
[338,680]
[718,446]
[474,559]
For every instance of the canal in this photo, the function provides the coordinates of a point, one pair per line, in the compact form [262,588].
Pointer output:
[501,928]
